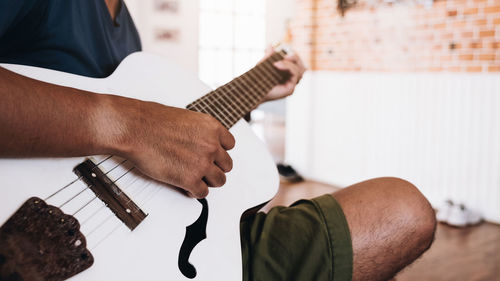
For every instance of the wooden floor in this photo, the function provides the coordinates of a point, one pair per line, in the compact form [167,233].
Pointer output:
[467,254]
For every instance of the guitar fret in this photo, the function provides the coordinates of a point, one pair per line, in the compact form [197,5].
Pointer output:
[271,70]
[194,107]
[251,93]
[210,110]
[270,65]
[260,80]
[263,78]
[232,115]
[233,100]
[234,96]
[218,105]
[244,97]
[217,98]
[247,103]
[237,104]
[232,104]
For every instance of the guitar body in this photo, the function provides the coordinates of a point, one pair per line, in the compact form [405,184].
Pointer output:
[149,252]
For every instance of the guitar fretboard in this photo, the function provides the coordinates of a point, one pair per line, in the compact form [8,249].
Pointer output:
[230,102]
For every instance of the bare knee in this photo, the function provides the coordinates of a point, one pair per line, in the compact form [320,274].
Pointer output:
[413,211]
[412,206]
[391,225]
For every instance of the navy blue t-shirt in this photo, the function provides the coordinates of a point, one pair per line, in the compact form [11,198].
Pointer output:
[75,36]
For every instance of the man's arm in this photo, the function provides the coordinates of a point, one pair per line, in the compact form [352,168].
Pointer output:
[176,146]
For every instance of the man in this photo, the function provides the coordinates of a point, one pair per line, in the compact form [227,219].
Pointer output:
[368,231]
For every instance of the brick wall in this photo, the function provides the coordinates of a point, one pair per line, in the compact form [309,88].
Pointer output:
[450,35]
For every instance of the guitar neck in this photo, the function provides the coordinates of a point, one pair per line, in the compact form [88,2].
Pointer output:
[230,102]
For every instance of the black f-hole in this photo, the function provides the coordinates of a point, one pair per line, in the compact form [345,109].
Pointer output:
[195,233]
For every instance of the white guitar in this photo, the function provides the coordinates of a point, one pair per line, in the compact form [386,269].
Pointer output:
[130,227]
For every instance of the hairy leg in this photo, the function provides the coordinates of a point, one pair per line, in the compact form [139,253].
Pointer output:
[391,225]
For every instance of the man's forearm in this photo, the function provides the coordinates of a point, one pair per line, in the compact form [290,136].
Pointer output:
[41,119]
[176,146]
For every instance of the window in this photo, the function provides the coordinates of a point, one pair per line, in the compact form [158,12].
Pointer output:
[232,38]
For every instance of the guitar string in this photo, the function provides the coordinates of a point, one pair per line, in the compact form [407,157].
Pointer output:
[136,195]
[280,56]
[230,91]
[148,198]
[106,237]
[124,189]
[257,68]
[90,201]
[201,106]
[102,207]
[235,86]
[219,98]
[113,182]
[217,102]
[216,97]
[72,182]
[225,91]
[85,205]
[237,106]
[222,92]
[99,225]
[87,187]
[119,223]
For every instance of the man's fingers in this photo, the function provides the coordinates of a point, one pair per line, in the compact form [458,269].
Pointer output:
[290,67]
[200,191]
[298,62]
[226,139]
[293,58]
[223,160]
[215,177]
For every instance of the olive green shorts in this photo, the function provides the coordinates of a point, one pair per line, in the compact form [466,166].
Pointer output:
[308,241]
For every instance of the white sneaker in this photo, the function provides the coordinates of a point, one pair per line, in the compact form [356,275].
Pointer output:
[443,211]
[457,215]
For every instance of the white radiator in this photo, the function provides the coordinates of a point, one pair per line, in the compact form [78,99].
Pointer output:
[439,131]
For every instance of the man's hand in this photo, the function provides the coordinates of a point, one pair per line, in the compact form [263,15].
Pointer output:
[176,146]
[292,64]
[180,147]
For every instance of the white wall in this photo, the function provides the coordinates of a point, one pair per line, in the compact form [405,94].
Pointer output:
[278,13]
[440,131]
[149,22]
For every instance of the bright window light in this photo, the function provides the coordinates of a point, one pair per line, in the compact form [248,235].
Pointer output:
[232,38]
